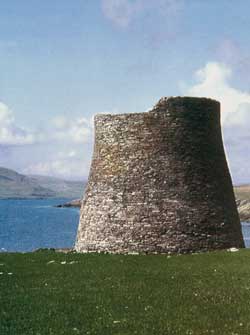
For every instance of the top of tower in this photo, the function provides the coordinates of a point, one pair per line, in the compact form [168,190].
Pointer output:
[171,103]
[166,102]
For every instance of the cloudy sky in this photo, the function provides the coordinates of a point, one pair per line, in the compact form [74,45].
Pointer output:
[63,61]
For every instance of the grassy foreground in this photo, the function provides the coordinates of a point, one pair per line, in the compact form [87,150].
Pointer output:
[115,294]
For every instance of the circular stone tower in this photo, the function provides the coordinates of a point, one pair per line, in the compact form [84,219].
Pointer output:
[159,182]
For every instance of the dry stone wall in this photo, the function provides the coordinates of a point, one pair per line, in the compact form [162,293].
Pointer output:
[159,182]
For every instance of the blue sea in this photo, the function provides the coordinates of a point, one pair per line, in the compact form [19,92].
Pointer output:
[26,225]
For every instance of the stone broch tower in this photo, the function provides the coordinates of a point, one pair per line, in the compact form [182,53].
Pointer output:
[159,182]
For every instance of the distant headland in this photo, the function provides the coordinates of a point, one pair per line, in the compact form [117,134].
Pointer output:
[19,186]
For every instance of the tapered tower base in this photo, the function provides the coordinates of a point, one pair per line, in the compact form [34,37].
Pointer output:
[159,182]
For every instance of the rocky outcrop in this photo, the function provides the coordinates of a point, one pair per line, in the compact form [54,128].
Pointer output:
[242,194]
[74,203]
[244,210]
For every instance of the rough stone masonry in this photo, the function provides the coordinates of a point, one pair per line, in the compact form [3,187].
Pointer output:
[159,182]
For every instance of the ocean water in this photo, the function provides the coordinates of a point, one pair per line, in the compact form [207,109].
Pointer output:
[246,233]
[26,225]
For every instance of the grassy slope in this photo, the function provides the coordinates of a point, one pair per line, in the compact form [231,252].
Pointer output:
[115,294]
[242,192]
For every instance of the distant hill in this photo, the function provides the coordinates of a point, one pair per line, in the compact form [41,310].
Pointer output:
[65,188]
[16,185]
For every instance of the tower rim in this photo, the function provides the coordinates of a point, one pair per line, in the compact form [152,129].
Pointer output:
[164,102]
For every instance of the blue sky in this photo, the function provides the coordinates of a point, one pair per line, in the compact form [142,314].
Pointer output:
[63,61]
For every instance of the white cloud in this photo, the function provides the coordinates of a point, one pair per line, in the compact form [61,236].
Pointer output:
[120,12]
[52,168]
[123,12]
[77,130]
[62,148]
[10,133]
[60,122]
[213,82]
[69,165]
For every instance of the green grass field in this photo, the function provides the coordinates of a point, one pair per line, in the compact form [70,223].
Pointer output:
[117,294]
